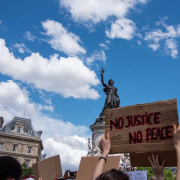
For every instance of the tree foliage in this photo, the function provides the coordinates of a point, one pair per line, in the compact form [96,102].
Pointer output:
[26,170]
[168,175]
[149,170]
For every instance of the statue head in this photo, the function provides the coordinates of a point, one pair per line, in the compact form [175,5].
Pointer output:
[110,82]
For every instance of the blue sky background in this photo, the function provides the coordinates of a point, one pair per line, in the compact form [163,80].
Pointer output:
[141,55]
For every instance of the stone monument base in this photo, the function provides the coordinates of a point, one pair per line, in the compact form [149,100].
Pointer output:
[100,119]
[98,130]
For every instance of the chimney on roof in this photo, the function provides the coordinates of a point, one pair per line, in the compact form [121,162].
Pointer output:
[39,133]
[1,122]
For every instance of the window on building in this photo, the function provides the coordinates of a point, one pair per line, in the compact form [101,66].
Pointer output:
[28,131]
[7,129]
[29,150]
[18,129]
[1,146]
[15,148]
[27,162]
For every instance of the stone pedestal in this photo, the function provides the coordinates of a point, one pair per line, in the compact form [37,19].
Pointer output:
[98,130]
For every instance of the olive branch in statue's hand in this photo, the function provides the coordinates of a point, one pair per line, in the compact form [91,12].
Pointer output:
[102,71]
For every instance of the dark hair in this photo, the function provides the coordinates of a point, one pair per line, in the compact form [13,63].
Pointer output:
[113,174]
[10,168]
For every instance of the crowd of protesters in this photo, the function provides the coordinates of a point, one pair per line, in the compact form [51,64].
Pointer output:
[10,168]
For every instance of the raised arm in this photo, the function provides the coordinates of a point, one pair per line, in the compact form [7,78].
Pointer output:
[177,147]
[105,147]
[102,80]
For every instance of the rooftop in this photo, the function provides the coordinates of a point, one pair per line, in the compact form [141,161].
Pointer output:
[21,125]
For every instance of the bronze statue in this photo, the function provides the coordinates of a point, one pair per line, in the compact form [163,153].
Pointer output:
[112,97]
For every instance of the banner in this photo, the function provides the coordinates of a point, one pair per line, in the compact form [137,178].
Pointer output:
[48,169]
[142,128]
[88,164]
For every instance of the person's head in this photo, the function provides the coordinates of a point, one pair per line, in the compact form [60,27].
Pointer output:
[110,82]
[113,174]
[10,168]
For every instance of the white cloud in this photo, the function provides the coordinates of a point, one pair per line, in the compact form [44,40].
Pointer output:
[103,46]
[29,36]
[171,46]
[59,137]
[122,28]
[64,138]
[11,95]
[98,10]
[157,35]
[70,155]
[139,42]
[154,46]
[108,41]
[21,48]
[44,97]
[61,39]
[90,12]
[139,35]
[97,55]
[0,21]
[66,76]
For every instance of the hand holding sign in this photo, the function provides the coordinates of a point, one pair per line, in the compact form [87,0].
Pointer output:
[177,147]
[176,137]
[105,145]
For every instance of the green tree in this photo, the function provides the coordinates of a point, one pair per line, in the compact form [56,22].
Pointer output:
[149,170]
[26,170]
[168,175]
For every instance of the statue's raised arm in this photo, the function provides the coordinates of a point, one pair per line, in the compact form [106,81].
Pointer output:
[112,97]
[102,78]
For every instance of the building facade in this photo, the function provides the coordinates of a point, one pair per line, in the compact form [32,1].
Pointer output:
[19,140]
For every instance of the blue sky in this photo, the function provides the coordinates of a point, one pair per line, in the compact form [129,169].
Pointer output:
[51,53]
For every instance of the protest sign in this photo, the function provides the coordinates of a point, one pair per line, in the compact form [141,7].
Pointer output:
[137,175]
[143,127]
[88,164]
[48,169]
[141,159]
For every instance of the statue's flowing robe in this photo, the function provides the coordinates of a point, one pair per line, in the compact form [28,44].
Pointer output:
[111,93]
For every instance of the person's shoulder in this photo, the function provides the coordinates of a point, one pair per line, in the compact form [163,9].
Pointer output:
[115,88]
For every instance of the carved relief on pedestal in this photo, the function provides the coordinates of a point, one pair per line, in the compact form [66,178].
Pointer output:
[95,151]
